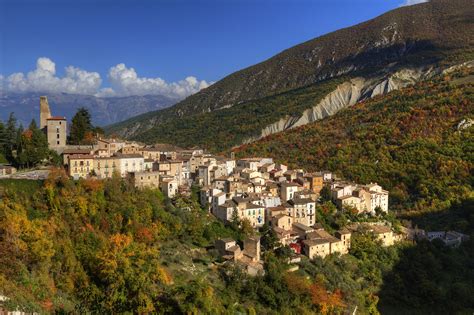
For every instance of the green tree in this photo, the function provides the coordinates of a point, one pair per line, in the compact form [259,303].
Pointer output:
[81,126]
[36,145]
[269,238]
[10,138]
[325,194]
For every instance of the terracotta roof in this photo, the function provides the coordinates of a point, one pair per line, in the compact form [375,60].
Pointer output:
[56,118]
[128,156]
[277,208]
[302,226]
[77,151]
[252,206]
[81,156]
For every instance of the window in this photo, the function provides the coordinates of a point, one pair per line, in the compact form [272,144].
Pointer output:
[57,142]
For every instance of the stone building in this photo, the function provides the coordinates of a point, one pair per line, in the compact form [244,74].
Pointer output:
[55,127]
[56,131]
[81,165]
[146,179]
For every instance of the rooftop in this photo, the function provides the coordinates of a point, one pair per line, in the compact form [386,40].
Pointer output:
[316,241]
[80,156]
[56,118]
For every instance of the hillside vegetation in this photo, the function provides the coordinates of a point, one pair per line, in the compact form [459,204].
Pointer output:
[408,141]
[103,247]
[222,129]
[437,33]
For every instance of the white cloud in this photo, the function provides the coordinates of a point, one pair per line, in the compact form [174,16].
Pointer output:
[412,2]
[44,79]
[123,81]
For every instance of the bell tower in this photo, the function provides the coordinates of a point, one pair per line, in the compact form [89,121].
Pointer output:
[45,112]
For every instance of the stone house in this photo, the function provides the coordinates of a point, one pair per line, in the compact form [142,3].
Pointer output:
[302,210]
[316,247]
[169,186]
[105,167]
[130,163]
[316,181]
[80,165]
[287,190]
[146,179]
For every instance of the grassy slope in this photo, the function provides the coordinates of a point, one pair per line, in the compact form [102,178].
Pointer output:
[407,141]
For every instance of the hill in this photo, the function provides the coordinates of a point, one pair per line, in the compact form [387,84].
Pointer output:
[417,142]
[389,52]
[103,247]
[104,111]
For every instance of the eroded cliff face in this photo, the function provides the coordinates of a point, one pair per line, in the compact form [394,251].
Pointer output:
[348,94]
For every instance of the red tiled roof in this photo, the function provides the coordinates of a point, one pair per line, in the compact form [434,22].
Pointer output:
[56,118]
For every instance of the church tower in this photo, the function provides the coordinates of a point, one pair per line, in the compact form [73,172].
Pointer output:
[45,113]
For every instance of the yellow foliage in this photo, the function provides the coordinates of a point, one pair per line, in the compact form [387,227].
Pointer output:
[164,276]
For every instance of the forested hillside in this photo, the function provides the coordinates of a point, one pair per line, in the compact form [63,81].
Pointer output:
[435,34]
[104,247]
[418,143]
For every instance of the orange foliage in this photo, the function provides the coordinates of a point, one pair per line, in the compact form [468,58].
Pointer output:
[144,235]
[120,241]
[93,185]
[28,134]
[324,299]
[47,305]
[89,137]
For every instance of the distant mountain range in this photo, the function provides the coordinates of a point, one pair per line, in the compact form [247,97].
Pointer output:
[317,78]
[104,111]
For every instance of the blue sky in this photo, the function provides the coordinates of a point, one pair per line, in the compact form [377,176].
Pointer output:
[169,39]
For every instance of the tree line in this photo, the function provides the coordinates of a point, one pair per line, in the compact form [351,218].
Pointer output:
[28,147]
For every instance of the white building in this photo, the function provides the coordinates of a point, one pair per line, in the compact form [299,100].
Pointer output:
[130,163]
[378,197]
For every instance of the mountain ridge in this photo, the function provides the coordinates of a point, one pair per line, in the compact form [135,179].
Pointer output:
[104,110]
[390,43]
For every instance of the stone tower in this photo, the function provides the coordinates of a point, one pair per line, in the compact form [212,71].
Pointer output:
[45,113]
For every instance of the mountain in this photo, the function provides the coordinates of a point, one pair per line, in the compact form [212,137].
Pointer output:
[317,78]
[416,142]
[104,111]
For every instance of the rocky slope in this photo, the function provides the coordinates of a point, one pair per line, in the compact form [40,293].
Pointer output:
[353,91]
[417,142]
[372,55]
[104,111]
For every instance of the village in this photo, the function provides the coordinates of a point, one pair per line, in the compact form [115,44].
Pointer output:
[254,190]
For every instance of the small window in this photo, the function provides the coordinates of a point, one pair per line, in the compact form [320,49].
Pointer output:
[57,142]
